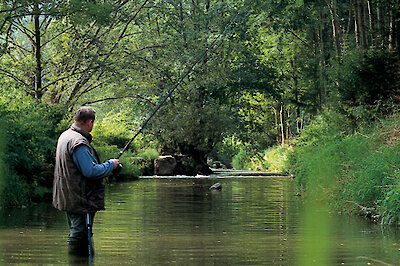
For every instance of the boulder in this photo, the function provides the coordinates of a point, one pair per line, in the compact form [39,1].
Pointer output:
[164,165]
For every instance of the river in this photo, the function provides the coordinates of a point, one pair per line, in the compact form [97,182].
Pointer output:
[179,221]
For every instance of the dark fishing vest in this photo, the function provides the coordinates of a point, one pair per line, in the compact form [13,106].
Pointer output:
[72,192]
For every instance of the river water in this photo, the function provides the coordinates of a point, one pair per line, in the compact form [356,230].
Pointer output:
[179,221]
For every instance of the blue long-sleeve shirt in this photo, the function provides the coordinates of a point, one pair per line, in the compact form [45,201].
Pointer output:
[86,163]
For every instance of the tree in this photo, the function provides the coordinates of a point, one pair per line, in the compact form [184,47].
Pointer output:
[70,47]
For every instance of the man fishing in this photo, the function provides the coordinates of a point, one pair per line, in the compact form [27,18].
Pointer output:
[78,188]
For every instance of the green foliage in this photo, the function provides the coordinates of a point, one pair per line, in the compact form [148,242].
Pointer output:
[113,129]
[240,160]
[129,171]
[365,79]
[195,123]
[84,12]
[3,166]
[273,70]
[274,159]
[149,154]
[32,126]
[111,133]
[145,161]
[352,170]
[15,191]
[390,204]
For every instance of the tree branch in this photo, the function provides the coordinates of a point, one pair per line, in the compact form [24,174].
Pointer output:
[121,97]
[28,33]
[145,48]
[62,78]
[56,36]
[121,36]
[295,35]
[11,9]
[11,75]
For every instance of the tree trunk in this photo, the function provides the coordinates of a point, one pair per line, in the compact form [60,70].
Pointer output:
[276,124]
[360,29]
[37,53]
[371,22]
[282,125]
[397,30]
[391,29]
[336,31]
[322,64]
[296,97]
[288,126]
[356,25]
[380,25]
[364,18]
[350,12]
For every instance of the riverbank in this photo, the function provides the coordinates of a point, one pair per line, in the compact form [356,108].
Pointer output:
[356,172]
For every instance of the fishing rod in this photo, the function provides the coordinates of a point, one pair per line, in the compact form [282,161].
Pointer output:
[200,57]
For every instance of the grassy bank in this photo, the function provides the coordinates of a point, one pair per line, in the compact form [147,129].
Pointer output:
[356,171]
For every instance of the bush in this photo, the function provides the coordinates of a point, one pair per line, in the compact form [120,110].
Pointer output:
[129,171]
[33,128]
[274,159]
[241,159]
[145,161]
[366,83]
[149,154]
[113,130]
[353,170]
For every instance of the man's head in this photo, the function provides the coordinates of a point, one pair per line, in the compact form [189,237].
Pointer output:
[85,117]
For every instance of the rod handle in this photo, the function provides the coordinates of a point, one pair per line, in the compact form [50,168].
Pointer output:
[118,169]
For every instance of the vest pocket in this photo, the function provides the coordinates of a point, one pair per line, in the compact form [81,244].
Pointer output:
[95,196]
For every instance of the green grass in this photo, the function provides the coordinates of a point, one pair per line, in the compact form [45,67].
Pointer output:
[351,170]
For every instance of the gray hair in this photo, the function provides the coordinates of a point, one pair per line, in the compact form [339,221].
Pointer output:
[84,114]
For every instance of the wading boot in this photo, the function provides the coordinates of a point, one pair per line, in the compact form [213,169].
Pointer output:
[80,248]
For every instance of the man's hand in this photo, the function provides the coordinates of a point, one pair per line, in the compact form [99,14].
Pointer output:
[116,163]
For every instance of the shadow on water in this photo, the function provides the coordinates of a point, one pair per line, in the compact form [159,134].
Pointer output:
[159,221]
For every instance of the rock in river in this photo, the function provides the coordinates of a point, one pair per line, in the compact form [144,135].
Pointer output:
[216,186]
[164,165]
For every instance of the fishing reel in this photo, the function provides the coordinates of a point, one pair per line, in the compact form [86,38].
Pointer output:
[118,169]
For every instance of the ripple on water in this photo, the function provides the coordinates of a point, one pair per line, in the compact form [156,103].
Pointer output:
[158,221]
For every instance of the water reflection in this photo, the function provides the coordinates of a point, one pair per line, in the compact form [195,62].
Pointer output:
[256,221]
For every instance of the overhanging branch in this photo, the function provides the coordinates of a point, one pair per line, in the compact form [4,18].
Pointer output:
[119,98]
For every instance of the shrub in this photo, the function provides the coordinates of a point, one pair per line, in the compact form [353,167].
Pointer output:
[145,161]
[129,171]
[113,130]
[33,128]
[353,170]
[240,160]
[365,83]
[274,159]
[149,154]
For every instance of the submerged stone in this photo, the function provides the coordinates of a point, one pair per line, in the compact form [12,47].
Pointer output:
[216,186]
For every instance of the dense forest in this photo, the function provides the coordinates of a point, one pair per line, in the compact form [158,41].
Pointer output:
[284,85]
